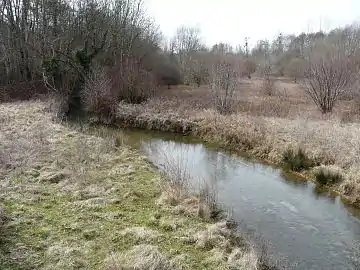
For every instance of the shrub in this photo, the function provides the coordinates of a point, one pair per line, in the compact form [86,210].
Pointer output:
[330,73]
[325,176]
[268,86]
[97,96]
[134,83]
[197,79]
[250,67]
[225,80]
[63,83]
[208,205]
[296,161]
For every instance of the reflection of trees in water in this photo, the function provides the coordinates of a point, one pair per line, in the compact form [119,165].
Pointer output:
[176,158]
[216,167]
[221,167]
[202,164]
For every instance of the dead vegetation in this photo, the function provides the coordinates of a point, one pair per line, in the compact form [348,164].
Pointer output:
[141,257]
[330,74]
[73,198]
[224,81]
[264,126]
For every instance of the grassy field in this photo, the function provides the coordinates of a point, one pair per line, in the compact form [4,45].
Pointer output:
[71,200]
[266,127]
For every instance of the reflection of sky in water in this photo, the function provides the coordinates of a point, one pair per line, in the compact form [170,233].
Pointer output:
[299,222]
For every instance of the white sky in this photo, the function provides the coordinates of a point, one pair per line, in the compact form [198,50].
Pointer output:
[232,20]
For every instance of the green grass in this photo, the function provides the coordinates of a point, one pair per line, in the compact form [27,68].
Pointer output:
[296,160]
[78,220]
[326,177]
[82,234]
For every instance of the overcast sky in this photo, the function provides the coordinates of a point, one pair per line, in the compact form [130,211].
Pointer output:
[232,20]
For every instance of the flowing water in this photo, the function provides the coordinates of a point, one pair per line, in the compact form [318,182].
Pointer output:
[313,230]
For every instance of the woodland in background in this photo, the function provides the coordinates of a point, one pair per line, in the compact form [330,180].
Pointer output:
[91,54]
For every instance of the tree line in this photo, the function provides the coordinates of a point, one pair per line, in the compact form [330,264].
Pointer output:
[90,54]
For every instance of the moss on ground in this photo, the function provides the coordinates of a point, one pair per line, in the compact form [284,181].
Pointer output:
[71,200]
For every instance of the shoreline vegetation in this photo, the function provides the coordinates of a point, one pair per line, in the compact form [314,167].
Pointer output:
[72,200]
[321,150]
[78,201]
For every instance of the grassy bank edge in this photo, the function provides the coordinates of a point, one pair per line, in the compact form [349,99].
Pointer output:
[248,147]
[81,196]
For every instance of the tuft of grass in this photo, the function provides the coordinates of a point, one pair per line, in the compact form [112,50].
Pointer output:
[324,176]
[209,208]
[296,160]
[141,257]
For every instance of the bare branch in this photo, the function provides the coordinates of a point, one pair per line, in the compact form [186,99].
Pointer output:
[329,74]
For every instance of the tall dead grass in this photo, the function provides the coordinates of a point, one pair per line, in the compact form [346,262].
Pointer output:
[266,127]
[176,177]
[27,141]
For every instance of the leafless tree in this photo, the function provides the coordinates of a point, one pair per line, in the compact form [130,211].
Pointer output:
[61,38]
[268,83]
[222,48]
[348,37]
[186,41]
[224,81]
[329,73]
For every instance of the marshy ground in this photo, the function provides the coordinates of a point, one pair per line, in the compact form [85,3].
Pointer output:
[71,200]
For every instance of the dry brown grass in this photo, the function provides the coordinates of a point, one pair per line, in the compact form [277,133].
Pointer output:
[72,196]
[142,257]
[288,101]
[266,126]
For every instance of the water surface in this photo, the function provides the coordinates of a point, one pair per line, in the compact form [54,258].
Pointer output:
[305,227]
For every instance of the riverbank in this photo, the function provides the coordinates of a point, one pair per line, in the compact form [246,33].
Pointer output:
[330,144]
[71,200]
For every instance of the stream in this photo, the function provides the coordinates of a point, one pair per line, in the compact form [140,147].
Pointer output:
[309,229]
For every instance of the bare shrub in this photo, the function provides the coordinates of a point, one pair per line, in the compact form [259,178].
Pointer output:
[329,74]
[97,95]
[268,86]
[208,204]
[225,79]
[186,41]
[268,83]
[250,67]
[175,174]
[134,83]
[58,104]
[200,73]
[61,82]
